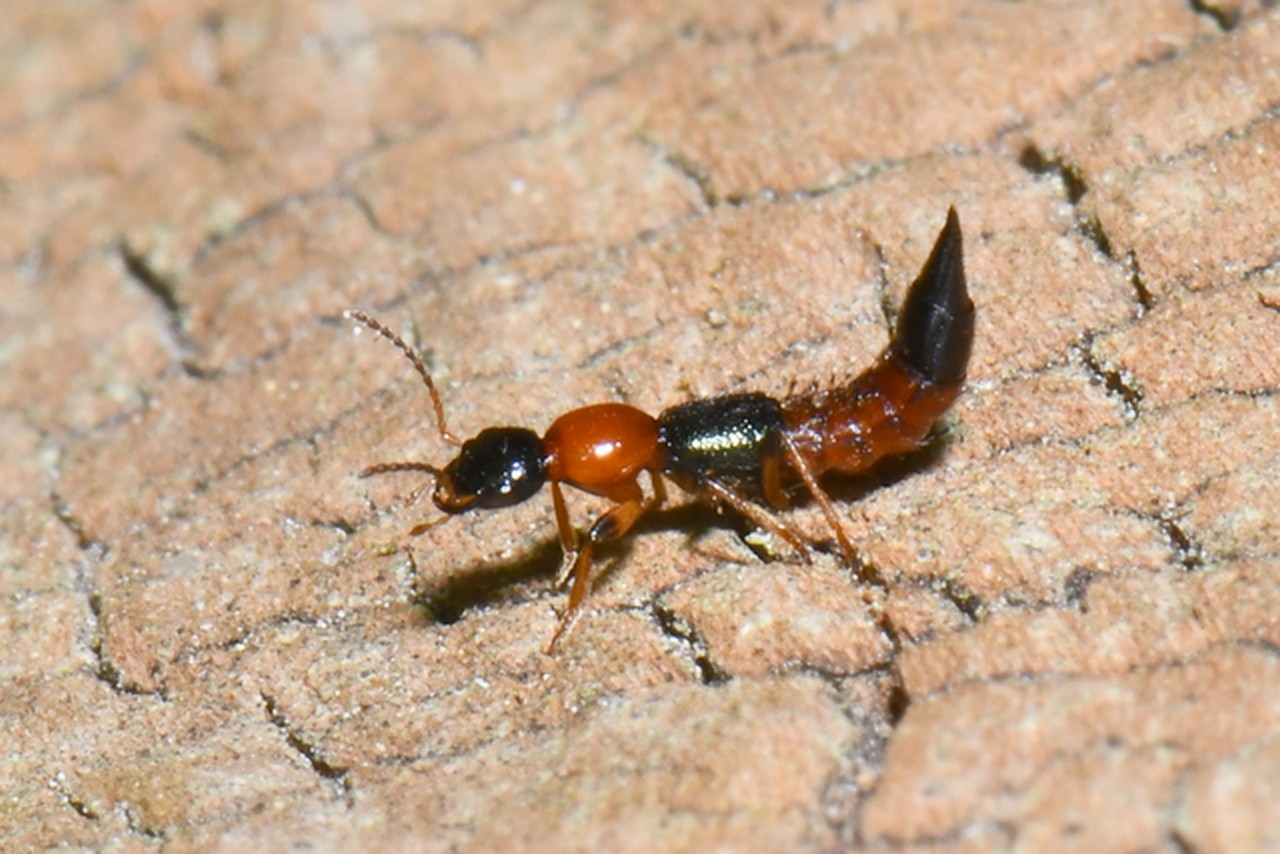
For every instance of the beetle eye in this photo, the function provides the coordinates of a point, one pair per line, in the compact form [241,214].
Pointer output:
[498,468]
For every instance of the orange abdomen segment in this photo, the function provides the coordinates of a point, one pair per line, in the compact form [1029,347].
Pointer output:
[602,447]
[887,410]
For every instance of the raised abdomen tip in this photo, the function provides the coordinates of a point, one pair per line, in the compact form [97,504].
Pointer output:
[935,330]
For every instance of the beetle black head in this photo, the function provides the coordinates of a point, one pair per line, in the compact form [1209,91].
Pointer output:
[500,467]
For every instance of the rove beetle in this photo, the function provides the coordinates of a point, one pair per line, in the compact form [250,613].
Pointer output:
[712,446]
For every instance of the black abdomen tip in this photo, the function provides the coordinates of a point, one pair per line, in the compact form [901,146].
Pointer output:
[935,329]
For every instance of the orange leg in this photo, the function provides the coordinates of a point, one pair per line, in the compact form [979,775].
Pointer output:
[771,480]
[659,491]
[568,535]
[755,513]
[866,572]
[612,525]
[422,527]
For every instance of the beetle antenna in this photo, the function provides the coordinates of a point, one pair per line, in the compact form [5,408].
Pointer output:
[418,365]
[385,468]
[410,465]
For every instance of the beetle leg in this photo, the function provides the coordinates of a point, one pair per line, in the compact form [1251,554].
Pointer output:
[865,571]
[612,525]
[568,536]
[659,487]
[755,513]
[771,479]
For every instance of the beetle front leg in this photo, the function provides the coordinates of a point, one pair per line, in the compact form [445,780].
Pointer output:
[568,536]
[612,525]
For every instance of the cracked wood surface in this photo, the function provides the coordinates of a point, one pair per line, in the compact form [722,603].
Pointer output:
[214,636]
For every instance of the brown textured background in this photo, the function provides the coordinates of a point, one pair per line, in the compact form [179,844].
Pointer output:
[210,634]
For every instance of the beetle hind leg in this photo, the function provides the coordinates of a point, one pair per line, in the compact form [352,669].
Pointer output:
[754,512]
